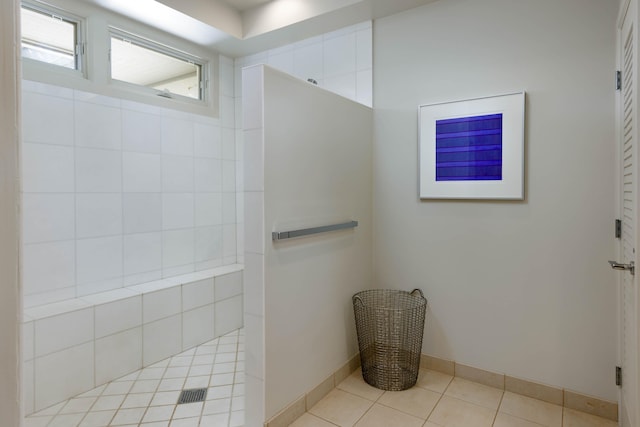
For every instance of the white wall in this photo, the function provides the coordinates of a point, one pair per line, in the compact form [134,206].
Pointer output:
[521,288]
[10,297]
[307,162]
[118,193]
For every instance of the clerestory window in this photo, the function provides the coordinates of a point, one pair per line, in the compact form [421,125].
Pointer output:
[51,36]
[167,71]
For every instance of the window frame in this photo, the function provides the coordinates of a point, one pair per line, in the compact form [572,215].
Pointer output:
[144,42]
[80,47]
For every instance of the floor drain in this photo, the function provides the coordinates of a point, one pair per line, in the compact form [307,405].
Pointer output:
[193,395]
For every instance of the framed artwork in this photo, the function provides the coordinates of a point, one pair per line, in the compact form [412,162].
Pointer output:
[473,149]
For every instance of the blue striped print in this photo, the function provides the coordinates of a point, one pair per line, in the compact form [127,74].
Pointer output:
[469,148]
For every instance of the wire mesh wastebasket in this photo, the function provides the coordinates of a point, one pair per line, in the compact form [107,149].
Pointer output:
[390,325]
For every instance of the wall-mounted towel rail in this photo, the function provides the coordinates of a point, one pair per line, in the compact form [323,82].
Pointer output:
[281,235]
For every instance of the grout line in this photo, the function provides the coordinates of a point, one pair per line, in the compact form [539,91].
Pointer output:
[495,416]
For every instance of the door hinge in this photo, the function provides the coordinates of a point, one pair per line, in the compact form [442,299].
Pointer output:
[618,80]
[618,376]
[618,229]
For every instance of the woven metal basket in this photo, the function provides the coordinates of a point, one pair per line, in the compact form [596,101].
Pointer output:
[390,324]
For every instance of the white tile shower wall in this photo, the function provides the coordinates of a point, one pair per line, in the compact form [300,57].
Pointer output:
[118,193]
[73,346]
[340,61]
[252,99]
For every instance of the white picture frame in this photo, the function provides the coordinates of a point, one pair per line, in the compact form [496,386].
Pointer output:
[472,149]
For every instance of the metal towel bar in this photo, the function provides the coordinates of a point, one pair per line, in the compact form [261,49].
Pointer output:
[281,235]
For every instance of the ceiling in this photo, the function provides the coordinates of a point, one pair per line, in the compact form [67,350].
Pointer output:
[242,5]
[242,27]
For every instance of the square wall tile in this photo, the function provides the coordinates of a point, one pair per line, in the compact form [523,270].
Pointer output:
[208,243]
[178,248]
[64,374]
[142,173]
[208,175]
[340,55]
[229,241]
[48,297]
[47,169]
[48,266]
[118,316]
[229,175]
[208,209]
[48,217]
[99,286]
[161,339]
[229,208]
[47,89]
[177,210]
[98,171]
[160,304]
[364,49]
[93,98]
[117,355]
[227,112]
[142,253]
[140,107]
[197,326]
[308,62]
[98,215]
[207,141]
[179,270]
[98,126]
[63,331]
[140,278]
[343,84]
[282,61]
[177,136]
[142,212]
[209,264]
[177,174]
[252,95]
[228,315]
[226,78]
[197,294]
[141,132]
[99,259]
[47,119]
[228,286]
[364,87]
[228,144]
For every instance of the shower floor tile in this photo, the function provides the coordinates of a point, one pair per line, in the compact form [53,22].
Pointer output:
[148,397]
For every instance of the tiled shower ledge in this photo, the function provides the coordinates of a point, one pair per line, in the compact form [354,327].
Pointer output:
[75,345]
[148,397]
[56,308]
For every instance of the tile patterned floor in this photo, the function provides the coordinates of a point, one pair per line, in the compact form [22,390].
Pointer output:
[148,397]
[438,400]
